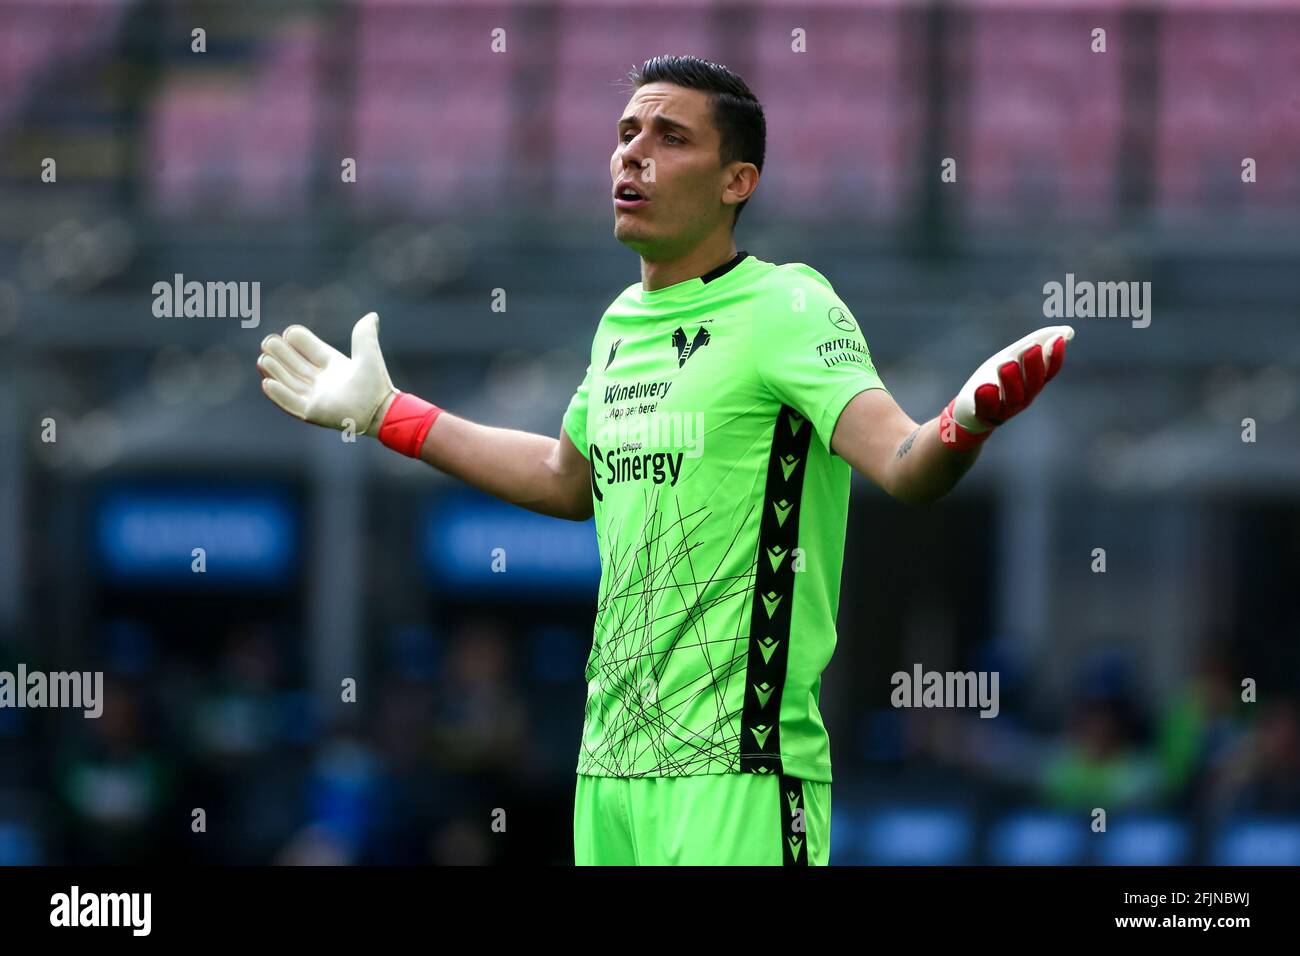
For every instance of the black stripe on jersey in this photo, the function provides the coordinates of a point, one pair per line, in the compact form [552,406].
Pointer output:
[769,628]
[794,823]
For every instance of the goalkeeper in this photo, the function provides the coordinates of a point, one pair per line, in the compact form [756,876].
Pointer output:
[721,547]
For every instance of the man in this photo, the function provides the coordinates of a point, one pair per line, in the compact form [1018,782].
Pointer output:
[726,402]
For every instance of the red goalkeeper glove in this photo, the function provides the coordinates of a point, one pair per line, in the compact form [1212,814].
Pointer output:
[1003,387]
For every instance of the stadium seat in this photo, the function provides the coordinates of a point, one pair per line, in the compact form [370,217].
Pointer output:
[1037,838]
[1257,842]
[903,835]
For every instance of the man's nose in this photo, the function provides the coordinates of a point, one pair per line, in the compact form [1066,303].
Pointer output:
[633,154]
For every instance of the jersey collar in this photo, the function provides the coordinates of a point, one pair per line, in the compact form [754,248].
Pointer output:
[726,267]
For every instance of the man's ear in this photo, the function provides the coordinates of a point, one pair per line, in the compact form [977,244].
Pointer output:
[730,197]
[748,173]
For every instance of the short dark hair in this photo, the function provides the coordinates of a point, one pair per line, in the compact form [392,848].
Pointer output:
[737,113]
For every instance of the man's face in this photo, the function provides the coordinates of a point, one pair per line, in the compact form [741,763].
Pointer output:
[668,147]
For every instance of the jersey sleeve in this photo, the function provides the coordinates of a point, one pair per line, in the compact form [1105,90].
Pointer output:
[575,416]
[809,350]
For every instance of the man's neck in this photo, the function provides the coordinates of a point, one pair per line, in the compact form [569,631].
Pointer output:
[701,260]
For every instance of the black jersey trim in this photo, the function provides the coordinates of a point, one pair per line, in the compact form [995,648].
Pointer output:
[774,580]
[726,267]
[794,822]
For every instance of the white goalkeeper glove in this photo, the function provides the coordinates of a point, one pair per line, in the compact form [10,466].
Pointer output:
[1003,386]
[317,383]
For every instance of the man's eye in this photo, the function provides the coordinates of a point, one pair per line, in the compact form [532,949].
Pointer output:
[672,137]
[625,136]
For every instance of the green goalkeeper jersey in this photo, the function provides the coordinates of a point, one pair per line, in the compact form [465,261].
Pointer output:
[706,415]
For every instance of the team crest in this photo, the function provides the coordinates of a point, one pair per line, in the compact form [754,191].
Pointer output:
[686,349]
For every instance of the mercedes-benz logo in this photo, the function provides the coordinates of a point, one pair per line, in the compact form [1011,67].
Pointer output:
[841,320]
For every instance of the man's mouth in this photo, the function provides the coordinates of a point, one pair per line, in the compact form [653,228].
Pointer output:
[627,196]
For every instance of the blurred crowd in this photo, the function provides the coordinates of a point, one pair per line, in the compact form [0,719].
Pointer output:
[460,750]
[1208,751]
[445,761]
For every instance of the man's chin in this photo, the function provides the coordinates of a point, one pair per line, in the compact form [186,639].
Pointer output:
[631,234]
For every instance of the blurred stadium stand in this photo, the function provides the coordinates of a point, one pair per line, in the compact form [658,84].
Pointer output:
[479,171]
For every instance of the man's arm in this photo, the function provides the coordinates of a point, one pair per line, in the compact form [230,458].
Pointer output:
[541,474]
[918,464]
[316,383]
[908,461]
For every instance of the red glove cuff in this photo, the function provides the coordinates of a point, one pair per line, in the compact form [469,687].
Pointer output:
[954,436]
[407,423]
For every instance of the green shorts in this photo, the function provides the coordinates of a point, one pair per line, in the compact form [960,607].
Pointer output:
[745,819]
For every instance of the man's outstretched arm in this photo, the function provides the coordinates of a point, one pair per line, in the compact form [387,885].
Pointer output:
[545,475]
[921,463]
[316,383]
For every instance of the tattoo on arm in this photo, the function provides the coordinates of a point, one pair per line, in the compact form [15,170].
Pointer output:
[904,448]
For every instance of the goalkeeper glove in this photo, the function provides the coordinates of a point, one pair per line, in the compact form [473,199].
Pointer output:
[317,383]
[1002,387]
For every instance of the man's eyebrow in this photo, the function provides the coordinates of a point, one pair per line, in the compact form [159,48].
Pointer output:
[659,120]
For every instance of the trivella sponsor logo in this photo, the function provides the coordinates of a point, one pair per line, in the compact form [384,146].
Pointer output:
[71,689]
[76,908]
[845,350]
